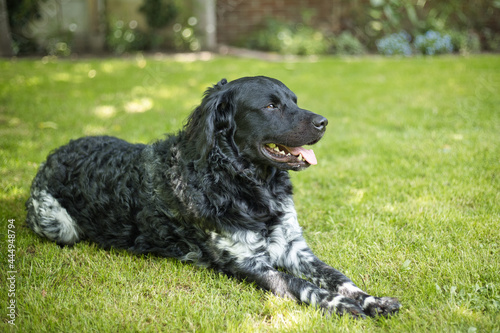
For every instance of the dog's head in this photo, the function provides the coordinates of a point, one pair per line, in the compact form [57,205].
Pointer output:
[256,119]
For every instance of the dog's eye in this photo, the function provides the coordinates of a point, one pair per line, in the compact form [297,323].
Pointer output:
[271,106]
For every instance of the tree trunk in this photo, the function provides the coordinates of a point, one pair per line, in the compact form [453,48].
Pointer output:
[5,39]
[207,23]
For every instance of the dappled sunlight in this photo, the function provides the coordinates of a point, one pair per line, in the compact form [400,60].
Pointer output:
[82,68]
[140,90]
[105,111]
[281,313]
[389,208]
[192,57]
[168,92]
[47,124]
[63,77]
[284,320]
[13,191]
[463,311]
[113,66]
[356,195]
[92,73]
[94,130]
[78,73]
[139,105]
[107,67]
[13,122]
[182,93]
[26,81]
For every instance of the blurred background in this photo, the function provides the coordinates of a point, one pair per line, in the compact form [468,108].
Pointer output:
[301,27]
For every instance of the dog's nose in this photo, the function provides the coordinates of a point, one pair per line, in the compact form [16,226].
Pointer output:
[320,122]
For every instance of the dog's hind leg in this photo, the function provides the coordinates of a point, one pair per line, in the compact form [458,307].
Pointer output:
[49,219]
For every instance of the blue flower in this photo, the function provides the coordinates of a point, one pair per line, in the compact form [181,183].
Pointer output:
[395,44]
[432,42]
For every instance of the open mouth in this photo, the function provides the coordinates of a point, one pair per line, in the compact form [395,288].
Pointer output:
[297,156]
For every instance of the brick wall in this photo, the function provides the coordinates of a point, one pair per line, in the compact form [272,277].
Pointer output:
[238,18]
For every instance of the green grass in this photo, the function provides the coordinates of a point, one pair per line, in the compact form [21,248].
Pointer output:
[405,199]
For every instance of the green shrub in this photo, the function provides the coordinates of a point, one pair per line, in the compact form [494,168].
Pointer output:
[465,42]
[159,13]
[492,40]
[22,45]
[347,44]
[185,38]
[286,38]
[124,38]
[19,13]
[60,44]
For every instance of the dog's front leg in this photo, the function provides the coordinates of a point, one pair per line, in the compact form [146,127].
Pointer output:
[246,257]
[290,251]
[286,285]
[329,278]
[299,259]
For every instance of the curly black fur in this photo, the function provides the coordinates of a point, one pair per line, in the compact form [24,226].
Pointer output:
[216,194]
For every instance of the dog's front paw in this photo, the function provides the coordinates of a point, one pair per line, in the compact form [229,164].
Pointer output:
[342,305]
[381,306]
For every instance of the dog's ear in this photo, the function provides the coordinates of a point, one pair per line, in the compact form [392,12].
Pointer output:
[212,119]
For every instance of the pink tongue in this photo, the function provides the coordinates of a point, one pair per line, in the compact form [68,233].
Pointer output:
[307,154]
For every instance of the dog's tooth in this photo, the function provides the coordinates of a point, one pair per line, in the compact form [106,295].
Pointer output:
[282,152]
[300,158]
[288,154]
[276,149]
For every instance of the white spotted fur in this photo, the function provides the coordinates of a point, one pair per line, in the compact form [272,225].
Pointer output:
[53,220]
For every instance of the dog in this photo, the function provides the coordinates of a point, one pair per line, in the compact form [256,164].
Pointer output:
[217,194]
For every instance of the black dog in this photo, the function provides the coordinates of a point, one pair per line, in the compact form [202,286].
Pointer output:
[218,194]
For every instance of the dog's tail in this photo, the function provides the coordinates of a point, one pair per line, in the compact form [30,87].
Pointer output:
[49,219]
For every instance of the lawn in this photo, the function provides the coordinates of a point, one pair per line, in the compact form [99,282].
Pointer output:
[405,199]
